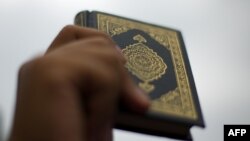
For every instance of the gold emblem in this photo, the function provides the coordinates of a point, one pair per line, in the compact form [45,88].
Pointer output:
[144,63]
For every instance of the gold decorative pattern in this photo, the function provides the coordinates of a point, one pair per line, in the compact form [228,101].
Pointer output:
[115,29]
[178,102]
[139,38]
[144,63]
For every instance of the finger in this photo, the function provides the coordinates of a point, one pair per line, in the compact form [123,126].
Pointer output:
[102,83]
[101,119]
[72,33]
[133,97]
[102,47]
[102,75]
[102,103]
[42,101]
[97,47]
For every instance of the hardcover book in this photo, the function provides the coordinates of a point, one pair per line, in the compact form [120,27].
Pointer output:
[157,61]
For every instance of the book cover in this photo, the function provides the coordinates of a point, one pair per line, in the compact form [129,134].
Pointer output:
[157,61]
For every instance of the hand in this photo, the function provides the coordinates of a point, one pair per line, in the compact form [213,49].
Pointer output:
[72,92]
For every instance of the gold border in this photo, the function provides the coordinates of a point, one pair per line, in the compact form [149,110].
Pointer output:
[178,102]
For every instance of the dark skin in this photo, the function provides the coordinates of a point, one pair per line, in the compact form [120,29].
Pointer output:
[72,92]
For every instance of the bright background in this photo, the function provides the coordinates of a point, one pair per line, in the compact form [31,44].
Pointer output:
[216,34]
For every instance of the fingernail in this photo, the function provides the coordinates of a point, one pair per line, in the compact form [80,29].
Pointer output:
[144,98]
[118,49]
[120,52]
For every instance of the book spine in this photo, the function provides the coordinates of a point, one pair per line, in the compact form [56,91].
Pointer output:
[81,19]
[91,20]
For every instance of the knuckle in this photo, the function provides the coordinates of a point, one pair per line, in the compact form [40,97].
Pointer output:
[28,67]
[104,39]
[41,74]
[110,78]
[113,56]
[100,42]
[68,29]
[103,34]
[110,56]
[40,70]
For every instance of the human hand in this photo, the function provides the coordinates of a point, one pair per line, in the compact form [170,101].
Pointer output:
[72,92]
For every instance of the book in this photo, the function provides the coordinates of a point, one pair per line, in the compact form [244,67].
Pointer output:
[157,61]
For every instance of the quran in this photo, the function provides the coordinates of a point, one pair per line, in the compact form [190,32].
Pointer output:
[158,63]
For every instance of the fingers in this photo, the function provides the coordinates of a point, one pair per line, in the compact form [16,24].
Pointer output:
[73,33]
[101,99]
[102,47]
[104,78]
[74,89]
[100,69]
[52,93]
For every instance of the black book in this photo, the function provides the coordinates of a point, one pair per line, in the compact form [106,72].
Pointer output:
[157,61]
